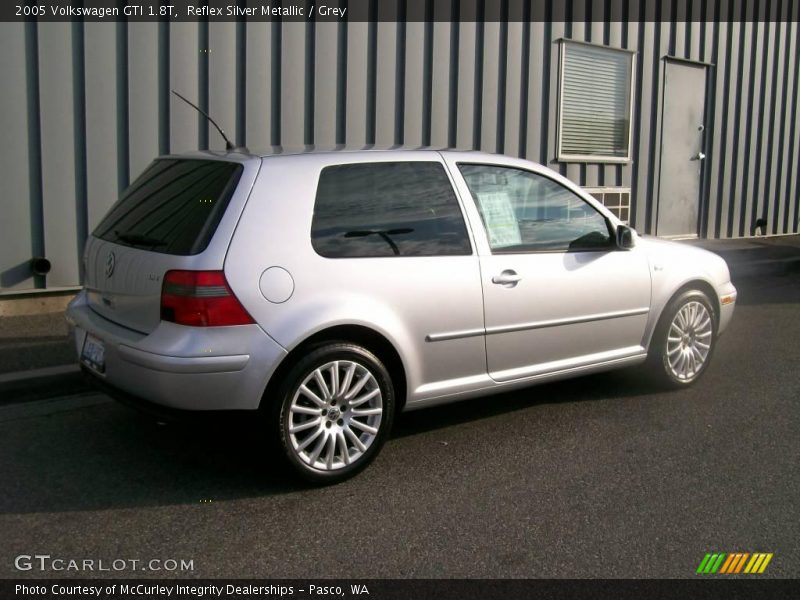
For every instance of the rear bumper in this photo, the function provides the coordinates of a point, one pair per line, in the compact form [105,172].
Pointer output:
[157,411]
[178,367]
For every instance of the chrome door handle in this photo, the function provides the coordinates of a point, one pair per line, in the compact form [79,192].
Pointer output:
[698,156]
[507,278]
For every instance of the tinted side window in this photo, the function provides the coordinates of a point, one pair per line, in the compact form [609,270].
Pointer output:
[173,207]
[387,209]
[523,212]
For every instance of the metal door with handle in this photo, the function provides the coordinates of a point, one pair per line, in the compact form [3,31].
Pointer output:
[682,136]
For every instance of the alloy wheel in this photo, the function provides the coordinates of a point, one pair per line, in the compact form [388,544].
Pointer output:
[335,415]
[689,341]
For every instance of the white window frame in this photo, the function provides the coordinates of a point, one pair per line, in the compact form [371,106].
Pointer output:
[592,158]
[612,190]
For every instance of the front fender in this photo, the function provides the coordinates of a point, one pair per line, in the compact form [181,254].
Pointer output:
[675,266]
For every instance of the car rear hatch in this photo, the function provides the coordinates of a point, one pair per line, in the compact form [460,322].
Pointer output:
[179,214]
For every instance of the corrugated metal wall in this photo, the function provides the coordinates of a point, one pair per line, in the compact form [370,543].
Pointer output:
[85,106]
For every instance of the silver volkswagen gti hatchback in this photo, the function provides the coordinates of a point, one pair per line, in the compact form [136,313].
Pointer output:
[328,290]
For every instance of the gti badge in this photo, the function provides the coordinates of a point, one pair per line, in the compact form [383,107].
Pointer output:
[111,262]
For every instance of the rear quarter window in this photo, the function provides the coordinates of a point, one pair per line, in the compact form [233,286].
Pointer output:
[173,207]
[387,209]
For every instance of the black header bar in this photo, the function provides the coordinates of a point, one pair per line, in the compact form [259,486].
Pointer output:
[398,10]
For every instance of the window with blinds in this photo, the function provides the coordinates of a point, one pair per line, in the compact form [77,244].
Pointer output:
[596,89]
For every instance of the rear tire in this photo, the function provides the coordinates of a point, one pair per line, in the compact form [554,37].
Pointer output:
[683,341]
[333,412]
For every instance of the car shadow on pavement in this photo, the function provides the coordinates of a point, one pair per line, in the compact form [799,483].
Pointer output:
[108,456]
[601,386]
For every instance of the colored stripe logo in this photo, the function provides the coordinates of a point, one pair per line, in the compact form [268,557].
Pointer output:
[732,563]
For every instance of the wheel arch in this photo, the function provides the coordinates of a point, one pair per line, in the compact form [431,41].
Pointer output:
[657,354]
[366,337]
[703,286]
[693,284]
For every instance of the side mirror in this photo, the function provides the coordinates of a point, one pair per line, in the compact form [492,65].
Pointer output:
[624,237]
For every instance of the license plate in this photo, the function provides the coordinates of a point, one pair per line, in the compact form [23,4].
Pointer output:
[94,353]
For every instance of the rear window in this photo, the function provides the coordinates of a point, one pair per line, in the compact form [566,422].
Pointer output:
[387,209]
[174,207]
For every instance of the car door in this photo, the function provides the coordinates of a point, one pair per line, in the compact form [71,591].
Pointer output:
[558,293]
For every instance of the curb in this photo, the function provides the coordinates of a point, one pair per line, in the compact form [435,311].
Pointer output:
[41,384]
[769,266]
[20,376]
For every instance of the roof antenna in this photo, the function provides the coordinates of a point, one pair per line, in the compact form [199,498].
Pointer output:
[228,145]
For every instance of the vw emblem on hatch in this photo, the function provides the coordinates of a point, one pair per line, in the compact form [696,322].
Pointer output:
[111,262]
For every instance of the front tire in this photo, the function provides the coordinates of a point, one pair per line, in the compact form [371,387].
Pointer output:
[684,340]
[334,412]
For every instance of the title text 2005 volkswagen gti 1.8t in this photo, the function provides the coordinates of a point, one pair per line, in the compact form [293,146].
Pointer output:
[329,290]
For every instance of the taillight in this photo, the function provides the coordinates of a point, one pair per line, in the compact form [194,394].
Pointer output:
[200,299]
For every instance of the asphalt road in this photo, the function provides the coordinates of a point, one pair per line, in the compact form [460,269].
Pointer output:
[595,477]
